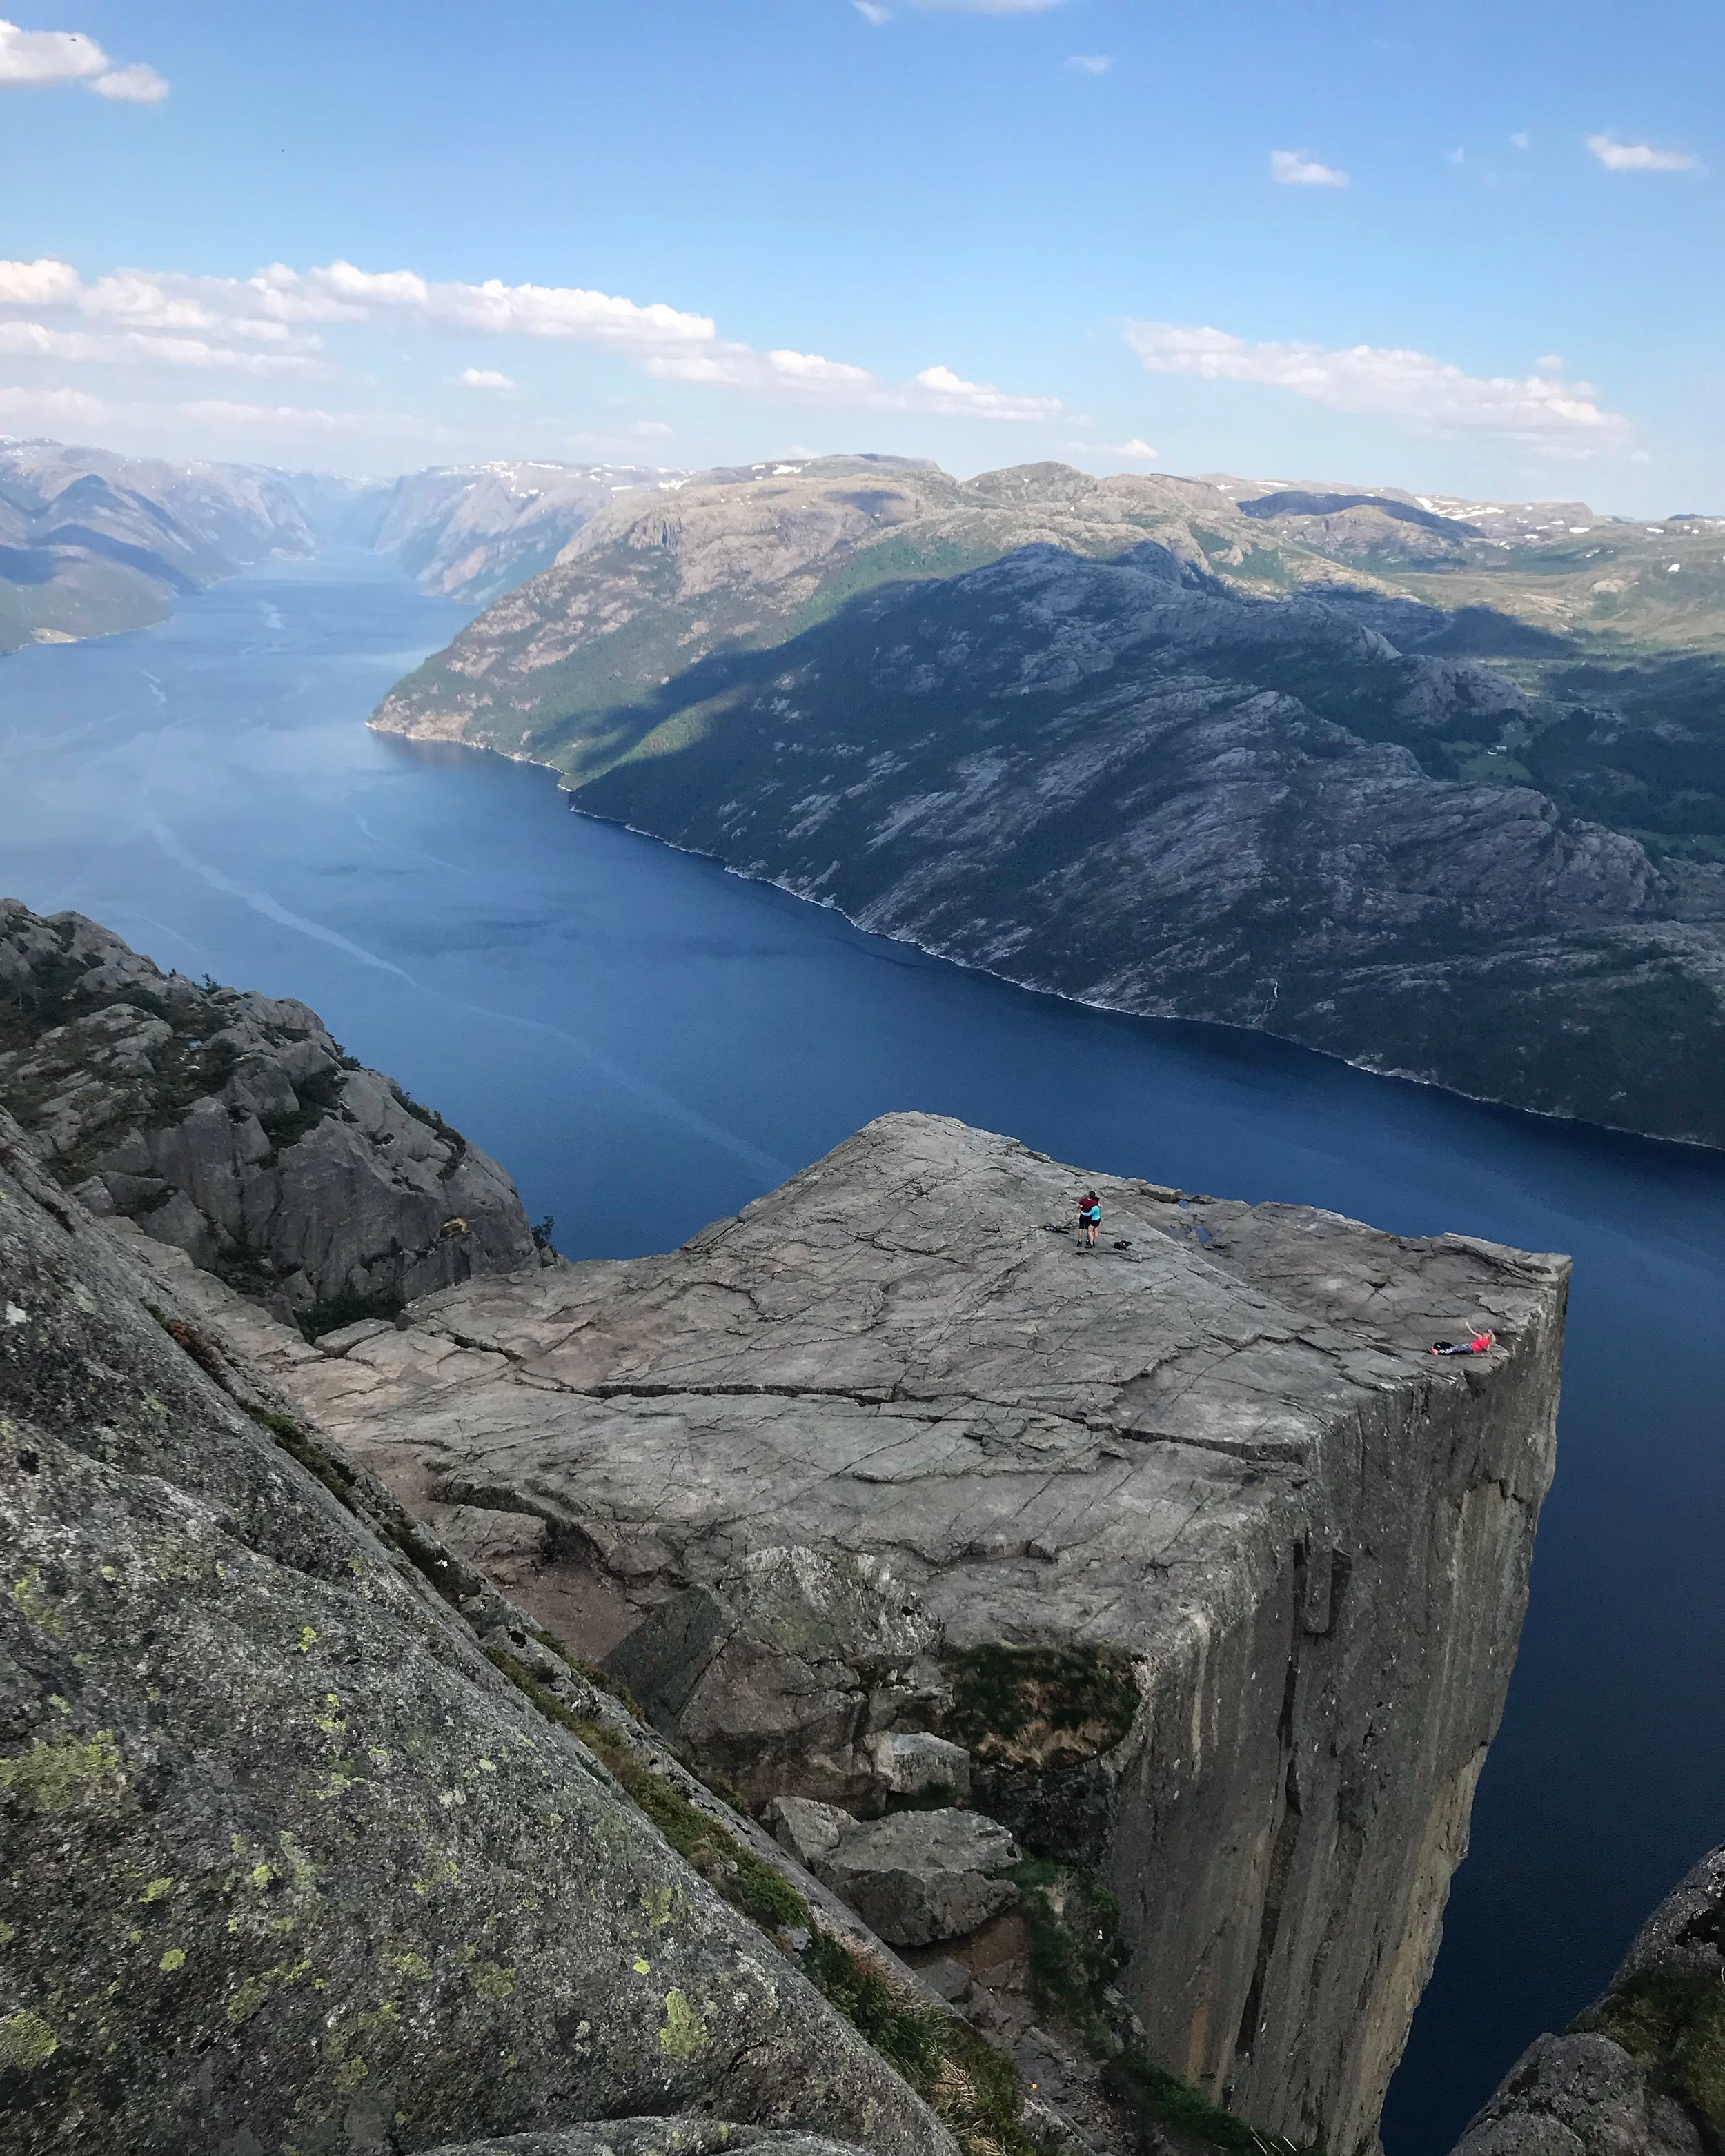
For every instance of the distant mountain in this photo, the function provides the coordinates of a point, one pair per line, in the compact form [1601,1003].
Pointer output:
[1407,780]
[471,532]
[91,542]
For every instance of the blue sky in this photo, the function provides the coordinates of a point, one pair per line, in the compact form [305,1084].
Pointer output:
[1461,248]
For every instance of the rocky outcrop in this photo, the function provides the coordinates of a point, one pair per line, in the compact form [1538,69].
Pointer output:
[779,1671]
[655,2137]
[1227,1571]
[308,1841]
[233,1126]
[1642,2073]
[913,1877]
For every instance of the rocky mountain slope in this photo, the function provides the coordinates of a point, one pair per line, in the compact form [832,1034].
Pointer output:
[1181,1562]
[91,541]
[1169,750]
[1642,2071]
[233,1126]
[313,1844]
[744,559]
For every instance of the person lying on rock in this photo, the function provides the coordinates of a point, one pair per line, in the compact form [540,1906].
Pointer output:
[1090,1219]
[1481,1344]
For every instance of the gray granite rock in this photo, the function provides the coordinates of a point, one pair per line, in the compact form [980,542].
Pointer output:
[775,1671]
[1218,1468]
[654,2137]
[916,1877]
[234,1127]
[287,1864]
[912,1763]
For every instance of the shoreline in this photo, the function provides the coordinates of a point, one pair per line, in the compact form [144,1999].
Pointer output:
[571,795]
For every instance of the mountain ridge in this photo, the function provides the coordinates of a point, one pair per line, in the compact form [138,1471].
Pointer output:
[1479,843]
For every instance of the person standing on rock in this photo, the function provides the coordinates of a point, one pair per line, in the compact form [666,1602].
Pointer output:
[1090,1219]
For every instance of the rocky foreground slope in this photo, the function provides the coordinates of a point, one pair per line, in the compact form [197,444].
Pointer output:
[1146,743]
[234,1127]
[1202,1578]
[310,1842]
[1642,2071]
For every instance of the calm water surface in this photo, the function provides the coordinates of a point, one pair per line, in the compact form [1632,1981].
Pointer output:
[647,1043]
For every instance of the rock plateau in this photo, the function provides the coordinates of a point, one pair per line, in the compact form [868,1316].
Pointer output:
[1212,1570]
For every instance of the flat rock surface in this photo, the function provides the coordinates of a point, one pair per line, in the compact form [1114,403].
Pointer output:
[903,1352]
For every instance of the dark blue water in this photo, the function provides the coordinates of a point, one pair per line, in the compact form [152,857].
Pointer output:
[648,1042]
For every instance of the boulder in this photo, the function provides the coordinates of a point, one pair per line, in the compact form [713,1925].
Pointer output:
[915,1877]
[811,1831]
[912,1762]
[776,1671]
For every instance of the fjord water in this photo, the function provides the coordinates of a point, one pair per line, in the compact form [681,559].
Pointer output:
[647,1043]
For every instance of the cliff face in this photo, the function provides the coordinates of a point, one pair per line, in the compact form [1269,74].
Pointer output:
[1642,2073]
[310,1842]
[470,532]
[233,1126]
[1227,1569]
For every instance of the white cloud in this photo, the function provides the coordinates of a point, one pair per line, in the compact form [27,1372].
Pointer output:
[808,369]
[1139,450]
[137,84]
[1404,385]
[139,347]
[1091,63]
[651,430]
[986,7]
[1518,141]
[31,58]
[1456,157]
[42,283]
[58,407]
[938,389]
[872,12]
[297,418]
[1293,168]
[35,60]
[173,318]
[1640,156]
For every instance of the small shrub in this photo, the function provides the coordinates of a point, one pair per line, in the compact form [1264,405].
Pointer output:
[1040,1706]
